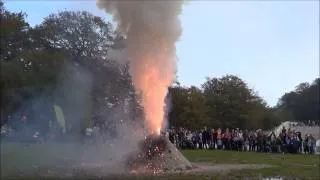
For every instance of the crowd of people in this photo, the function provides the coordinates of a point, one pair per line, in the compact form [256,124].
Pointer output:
[287,141]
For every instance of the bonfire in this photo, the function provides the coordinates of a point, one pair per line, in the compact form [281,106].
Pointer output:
[157,155]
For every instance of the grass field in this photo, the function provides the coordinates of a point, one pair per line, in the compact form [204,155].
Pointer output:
[288,166]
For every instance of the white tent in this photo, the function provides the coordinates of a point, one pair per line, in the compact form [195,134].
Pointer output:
[287,125]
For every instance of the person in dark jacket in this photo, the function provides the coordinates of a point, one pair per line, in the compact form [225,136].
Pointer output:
[171,136]
[227,136]
[204,138]
[300,142]
[194,140]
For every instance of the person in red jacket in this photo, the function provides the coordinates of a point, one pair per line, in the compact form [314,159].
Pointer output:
[213,139]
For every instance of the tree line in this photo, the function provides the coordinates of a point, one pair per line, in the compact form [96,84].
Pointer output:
[228,102]
[34,60]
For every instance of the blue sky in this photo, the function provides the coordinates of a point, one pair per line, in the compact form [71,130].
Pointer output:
[273,45]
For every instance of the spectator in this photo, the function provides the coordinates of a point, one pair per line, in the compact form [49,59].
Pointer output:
[305,144]
[171,136]
[283,131]
[311,144]
[273,140]
[200,140]
[287,141]
[205,138]
[227,139]
[213,139]
[252,141]
[246,140]
[219,139]
[260,141]
[240,140]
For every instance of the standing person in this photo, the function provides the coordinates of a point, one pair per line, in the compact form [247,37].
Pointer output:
[296,143]
[305,144]
[198,139]
[288,143]
[283,142]
[201,140]
[246,140]
[260,141]
[311,144]
[214,139]
[219,139]
[204,138]
[227,139]
[267,144]
[209,138]
[283,131]
[194,140]
[176,138]
[235,140]
[251,141]
[189,140]
[240,140]
[171,136]
[273,140]
[232,139]
[279,143]
[300,142]
[180,138]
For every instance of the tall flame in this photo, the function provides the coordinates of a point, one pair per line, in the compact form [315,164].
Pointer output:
[151,28]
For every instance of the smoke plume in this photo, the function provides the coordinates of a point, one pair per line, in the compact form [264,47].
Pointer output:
[151,28]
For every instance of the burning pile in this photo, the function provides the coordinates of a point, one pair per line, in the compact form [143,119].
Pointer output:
[156,155]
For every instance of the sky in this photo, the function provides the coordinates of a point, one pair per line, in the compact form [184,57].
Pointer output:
[271,45]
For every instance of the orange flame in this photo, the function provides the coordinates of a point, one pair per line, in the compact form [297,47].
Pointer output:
[152,29]
[152,78]
[154,88]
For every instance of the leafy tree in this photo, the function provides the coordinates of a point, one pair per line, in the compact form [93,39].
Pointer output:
[303,102]
[79,33]
[188,108]
[86,39]
[13,34]
[178,96]
[222,102]
[15,70]
[229,99]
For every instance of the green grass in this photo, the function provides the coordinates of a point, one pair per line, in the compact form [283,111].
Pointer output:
[288,165]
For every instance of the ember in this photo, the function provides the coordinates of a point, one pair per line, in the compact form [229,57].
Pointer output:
[157,155]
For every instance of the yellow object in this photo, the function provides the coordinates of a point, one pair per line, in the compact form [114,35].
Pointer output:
[60,117]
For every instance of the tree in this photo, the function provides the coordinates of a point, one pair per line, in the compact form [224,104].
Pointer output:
[79,33]
[86,40]
[22,68]
[224,102]
[13,34]
[188,108]
[228,98]
[303,102]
